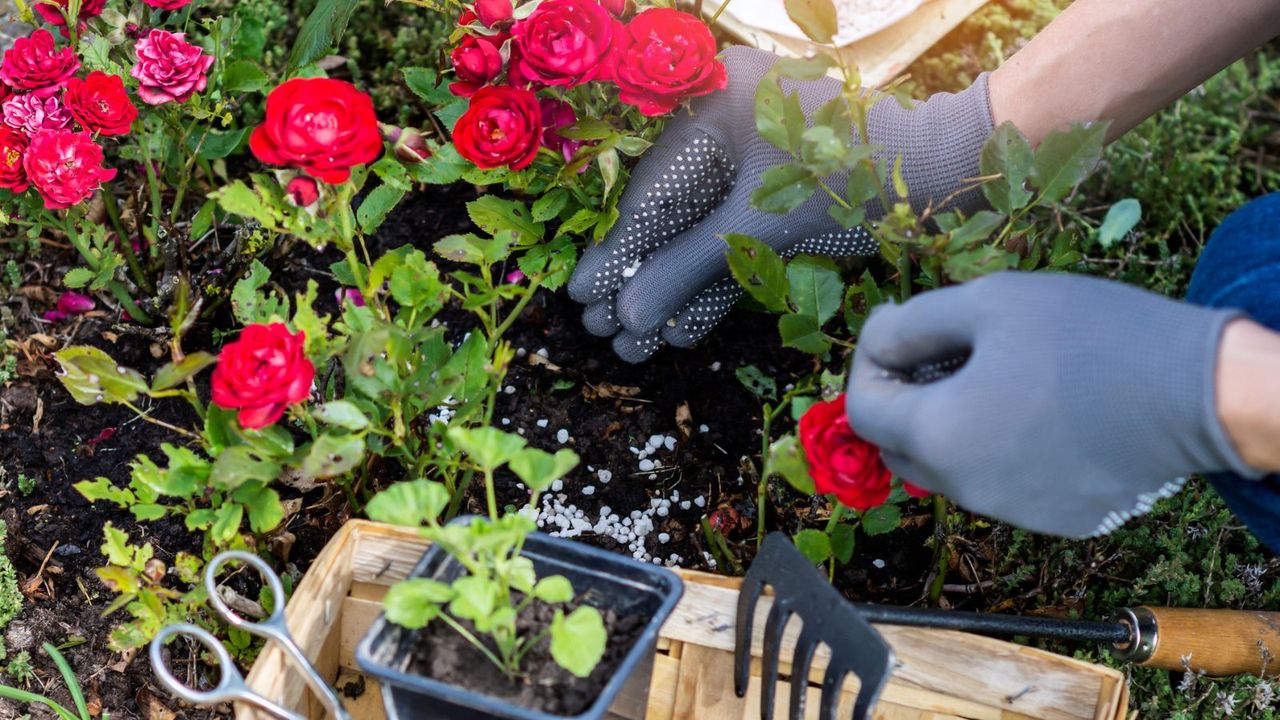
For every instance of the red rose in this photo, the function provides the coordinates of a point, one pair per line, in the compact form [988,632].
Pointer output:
[557,114]
[65,166]
[168,4]
[323,126]
[303,191]
[52,14]
[13,145]
[466,18]
[34,64]
[616,7]
[262,373]
[501,127]
[100,104]
[169,68]
[477,61]
[665,57]
[494,12]
[840,462]
[566,42]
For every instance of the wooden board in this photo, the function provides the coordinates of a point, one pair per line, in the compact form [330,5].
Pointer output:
[880,57]
[940,674]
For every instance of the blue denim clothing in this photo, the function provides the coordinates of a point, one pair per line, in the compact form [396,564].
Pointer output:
[1240,268]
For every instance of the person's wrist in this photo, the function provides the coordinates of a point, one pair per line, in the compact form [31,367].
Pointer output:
[1248,392]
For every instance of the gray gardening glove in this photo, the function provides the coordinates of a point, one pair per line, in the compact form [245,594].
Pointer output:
[661,274]
[1081,401]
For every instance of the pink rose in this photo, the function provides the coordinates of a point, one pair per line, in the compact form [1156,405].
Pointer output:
[169,68]
[34,64]
[30,113]
[65,166]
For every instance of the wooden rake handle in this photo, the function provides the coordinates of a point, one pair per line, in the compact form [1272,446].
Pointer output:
[1215,642]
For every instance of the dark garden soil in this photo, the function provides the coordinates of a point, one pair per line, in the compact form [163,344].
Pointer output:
[443,654]
[562,379]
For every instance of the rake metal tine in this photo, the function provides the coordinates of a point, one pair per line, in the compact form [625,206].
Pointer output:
[748,597]
[774,626]
[832,683]
[806,646]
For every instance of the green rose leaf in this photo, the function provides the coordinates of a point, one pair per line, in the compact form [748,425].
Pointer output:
[814,544]
[1120,219]
[759,270]
[817,18]
[343,414]
[91,376]
[174,374]
[881,519]
[333,455]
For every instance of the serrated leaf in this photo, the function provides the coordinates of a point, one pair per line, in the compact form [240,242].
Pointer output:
[249,305]
[321,31]
[550,204]
[784,188]
[1007,154]
[1064,159]
[842,542]
[760,384]
[332,455]
[226,523]
[787,459]
[814,545]
[770,113]
[759,270]
[77,277]
[487,447]
[377,205]
[974,263]
[343,414]
[816,288]
[1120,219]
[242,76]
[881,519]
[494,215]
[415,602]
[263,505]
[803,333]
[424,83]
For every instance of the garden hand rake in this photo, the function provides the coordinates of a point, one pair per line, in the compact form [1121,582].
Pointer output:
[1214,642]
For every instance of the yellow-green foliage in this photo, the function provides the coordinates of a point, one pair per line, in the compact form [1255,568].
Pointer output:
[10,597]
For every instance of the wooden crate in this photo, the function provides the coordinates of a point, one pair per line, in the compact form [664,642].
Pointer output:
[880,57]
[940,674]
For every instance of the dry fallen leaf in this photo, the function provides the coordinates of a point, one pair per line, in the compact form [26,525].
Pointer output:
[684,421]
[607,391]
[538,360]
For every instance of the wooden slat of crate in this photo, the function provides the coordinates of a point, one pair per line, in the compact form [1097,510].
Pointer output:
[941,674]
[880,57]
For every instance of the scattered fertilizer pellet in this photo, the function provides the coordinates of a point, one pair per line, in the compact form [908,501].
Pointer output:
[542,422]
[510,389]
[684,505]
[542,352]
[878,563]
[669,443]
[663,511]
[646,465]
[605,476]
[700,501]
[557,486]
[704,428]
[562,436]
[589,490]
[521,352]
[715,366]
[506,421]
[664,538]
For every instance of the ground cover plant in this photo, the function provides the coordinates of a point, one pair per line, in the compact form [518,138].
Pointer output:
[420,347]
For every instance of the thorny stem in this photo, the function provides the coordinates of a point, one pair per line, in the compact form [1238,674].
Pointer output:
[940,552]
[138,411]
[154,185]
[186,177]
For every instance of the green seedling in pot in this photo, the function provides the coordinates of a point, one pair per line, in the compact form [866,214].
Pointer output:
[485,603]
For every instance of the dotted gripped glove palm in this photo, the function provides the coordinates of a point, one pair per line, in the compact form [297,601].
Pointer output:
[1081,401]
[661,273]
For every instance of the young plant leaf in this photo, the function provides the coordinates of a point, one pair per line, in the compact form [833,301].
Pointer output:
[554,589]
[332,455]
[415,602]
[1007,154]
[803,333]
[881,519]
[539,468]
[343,414]
[174,374]
[842,542]
[814,544]
[784,188]
[409,504]
[578,640]
[1120,219]
[1064,159]
[816,288]
[787,459]
[488,447]
[91,376]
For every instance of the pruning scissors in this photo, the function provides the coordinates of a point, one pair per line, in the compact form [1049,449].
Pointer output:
[231,686]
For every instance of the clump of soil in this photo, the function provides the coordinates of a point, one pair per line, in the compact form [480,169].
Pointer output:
[443,654]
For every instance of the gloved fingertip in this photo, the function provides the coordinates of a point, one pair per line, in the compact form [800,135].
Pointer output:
[600,319]
[634,348]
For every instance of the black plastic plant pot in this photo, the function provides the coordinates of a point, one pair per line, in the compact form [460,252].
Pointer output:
[606,580]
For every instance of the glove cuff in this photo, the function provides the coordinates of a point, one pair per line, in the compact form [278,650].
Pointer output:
[1217,433]
[940,141]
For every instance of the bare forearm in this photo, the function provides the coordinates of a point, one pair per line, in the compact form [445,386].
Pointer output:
[1123,60]
[1248,386]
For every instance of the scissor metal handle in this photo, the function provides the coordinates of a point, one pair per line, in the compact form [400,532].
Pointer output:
[231,686]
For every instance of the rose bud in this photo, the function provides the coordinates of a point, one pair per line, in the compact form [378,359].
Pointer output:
[353,294]
[390,133]
[494,12]
[411,147]
[476,61]
[615,7]
[303,191]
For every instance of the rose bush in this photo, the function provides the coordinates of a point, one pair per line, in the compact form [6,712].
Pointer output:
[565,43]
[323,127]
[843,464]
[262,373]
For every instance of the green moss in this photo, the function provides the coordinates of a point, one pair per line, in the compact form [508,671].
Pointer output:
[10,596]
